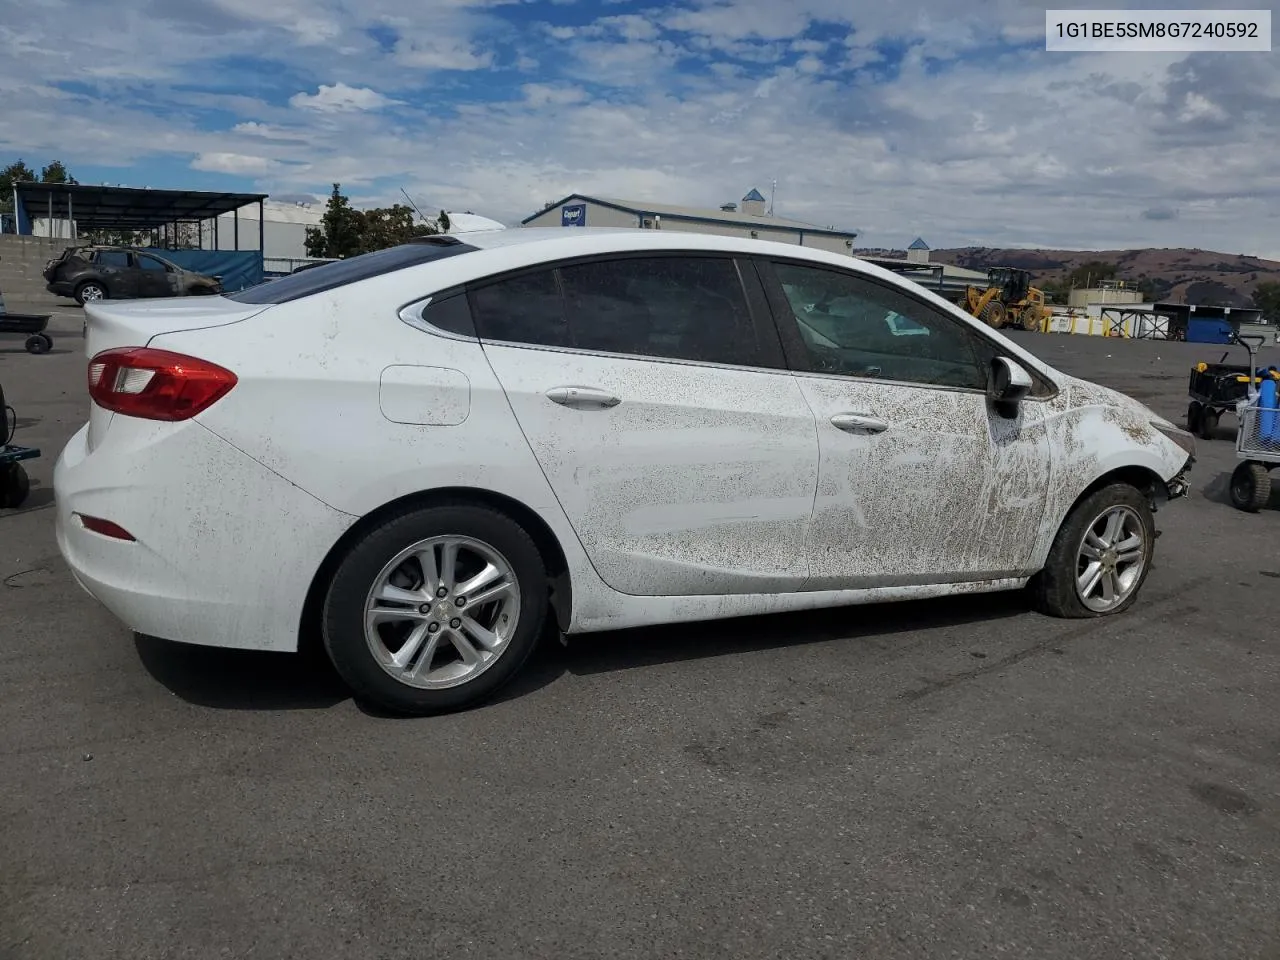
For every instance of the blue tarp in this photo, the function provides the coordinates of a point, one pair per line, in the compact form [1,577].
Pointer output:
[22,219]
[238,268]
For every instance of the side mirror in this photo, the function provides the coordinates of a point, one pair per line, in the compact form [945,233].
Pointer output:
[1010,384]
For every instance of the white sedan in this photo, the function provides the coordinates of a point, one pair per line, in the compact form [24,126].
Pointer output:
[425,455]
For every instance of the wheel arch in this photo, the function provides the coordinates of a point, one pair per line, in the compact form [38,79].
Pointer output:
[553,555]
[1143,478]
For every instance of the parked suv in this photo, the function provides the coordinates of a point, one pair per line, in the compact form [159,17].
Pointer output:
[423,455]
[122,273]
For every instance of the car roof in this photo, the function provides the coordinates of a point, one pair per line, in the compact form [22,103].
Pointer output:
[534,245]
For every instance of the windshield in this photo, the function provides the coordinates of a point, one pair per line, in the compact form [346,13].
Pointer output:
[339,273]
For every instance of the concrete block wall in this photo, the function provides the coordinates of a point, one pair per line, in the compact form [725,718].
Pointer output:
[22,261]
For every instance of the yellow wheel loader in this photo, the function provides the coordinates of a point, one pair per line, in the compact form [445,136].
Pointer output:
[1008,301]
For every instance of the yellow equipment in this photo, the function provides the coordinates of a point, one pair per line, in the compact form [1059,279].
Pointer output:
[1009,300]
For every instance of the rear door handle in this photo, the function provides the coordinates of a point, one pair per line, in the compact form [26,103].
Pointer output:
[582,397]
[858,423]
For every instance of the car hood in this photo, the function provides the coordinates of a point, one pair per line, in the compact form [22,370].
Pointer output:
[1084,393]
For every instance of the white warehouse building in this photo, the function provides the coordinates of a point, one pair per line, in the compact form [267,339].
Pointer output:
[284,232]
[752,220]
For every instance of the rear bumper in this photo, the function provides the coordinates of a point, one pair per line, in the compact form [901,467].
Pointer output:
[224,549]
[60,288]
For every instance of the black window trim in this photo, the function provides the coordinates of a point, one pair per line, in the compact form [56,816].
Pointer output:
[773,289]
[760,318]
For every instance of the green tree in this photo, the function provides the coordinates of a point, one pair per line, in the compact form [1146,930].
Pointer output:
[56,172]
[17,172]
[1266,297]
[346,232]
[384,227]
[339,232]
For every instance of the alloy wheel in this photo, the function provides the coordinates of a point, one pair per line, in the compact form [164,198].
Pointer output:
[1111,558]
[442,612]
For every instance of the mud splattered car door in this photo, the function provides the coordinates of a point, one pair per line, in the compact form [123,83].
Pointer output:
[921,480]
[679,447]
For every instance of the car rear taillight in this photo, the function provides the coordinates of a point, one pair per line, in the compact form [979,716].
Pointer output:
[156,384]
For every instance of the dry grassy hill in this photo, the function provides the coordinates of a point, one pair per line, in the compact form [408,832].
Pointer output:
[1177,275]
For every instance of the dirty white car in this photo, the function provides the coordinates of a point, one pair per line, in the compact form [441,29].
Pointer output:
[426,454]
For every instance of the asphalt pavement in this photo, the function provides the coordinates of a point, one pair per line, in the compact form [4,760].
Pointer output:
[959,779]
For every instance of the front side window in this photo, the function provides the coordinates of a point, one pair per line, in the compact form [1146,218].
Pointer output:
[150,263]
[849,326]
[673,307]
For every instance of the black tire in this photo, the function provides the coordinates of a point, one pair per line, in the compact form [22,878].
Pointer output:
[88,285]
[1208,424]
[343,617]
[39,343]
[14,485]
[1250,486]
[1053,589]
[1194,410]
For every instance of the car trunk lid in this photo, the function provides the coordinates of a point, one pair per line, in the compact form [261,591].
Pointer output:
[134,323]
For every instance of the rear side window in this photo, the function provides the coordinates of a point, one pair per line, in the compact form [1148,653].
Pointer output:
[672,307]
[676,307]
[342,272]
[526,308]
[112,258]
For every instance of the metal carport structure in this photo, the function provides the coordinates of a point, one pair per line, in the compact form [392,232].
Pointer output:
[90,207]
[87,208]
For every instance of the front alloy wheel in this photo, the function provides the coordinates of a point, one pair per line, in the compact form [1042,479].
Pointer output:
[1111,559]
[1100,557]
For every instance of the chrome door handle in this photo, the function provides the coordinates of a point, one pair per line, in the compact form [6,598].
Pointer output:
[858,423]
[582,397]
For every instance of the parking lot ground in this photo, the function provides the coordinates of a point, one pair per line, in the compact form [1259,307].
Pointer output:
[951,779]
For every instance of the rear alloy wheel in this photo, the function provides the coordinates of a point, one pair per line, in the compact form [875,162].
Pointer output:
[436,609]
[1250,486]
[1101,556]
[90,291]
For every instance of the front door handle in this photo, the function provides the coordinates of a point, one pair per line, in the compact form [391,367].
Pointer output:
[858,423]
[582,397]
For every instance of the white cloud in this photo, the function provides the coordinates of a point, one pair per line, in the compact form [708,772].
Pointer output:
[439,53]
[541,94]
[332,98]
[237,164]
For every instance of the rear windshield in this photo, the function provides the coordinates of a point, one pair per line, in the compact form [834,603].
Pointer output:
[342,272]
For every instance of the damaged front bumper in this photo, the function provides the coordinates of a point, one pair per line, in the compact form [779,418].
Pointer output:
[1180,484]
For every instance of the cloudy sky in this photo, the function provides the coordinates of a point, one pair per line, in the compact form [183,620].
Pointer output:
[940,118]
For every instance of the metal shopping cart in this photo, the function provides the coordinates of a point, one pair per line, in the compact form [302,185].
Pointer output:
[1257,448]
